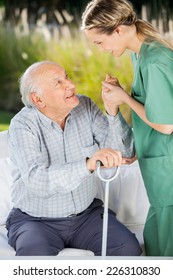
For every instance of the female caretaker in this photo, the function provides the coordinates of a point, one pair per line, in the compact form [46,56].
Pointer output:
[114,27]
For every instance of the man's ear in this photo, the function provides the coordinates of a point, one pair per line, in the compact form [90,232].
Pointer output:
[37,100]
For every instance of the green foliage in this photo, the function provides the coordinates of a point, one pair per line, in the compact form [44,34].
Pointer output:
[5,118]
[16,54]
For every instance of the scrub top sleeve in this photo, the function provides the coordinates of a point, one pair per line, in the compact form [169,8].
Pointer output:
[158,85]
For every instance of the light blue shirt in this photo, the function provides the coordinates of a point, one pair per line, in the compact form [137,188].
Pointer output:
[50,176]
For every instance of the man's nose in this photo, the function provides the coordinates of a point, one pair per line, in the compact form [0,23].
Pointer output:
[70,84]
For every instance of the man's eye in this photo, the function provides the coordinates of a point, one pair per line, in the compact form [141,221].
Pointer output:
[57,83]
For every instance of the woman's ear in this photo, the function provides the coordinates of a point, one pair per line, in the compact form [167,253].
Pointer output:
[37,101]
[119,30]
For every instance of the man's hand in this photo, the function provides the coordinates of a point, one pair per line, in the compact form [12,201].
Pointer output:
[113,95]
[108,157]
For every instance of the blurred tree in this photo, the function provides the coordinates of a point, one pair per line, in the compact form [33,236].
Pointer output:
[36,8]
[160,9]
[13,9]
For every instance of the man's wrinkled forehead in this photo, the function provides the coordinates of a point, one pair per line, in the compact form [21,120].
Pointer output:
[52,70]
[48,71]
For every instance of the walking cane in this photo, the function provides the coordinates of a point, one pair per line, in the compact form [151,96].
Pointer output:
[106,200]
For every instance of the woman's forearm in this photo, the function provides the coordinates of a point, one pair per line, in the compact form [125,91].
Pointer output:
[139,109]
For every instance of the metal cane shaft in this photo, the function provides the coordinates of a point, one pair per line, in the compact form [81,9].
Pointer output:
[105,220]
[106,202]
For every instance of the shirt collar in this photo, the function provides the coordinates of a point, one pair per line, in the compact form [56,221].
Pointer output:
[47,122]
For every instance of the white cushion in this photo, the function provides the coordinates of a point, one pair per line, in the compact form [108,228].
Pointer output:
[5,249]
[5,189]
[127,195]
[3,144]
[71,252]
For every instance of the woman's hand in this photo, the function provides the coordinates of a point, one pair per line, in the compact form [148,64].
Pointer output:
[113,94]
[129,160]
[111,80]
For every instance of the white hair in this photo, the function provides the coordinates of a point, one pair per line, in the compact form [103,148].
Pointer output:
[30,81]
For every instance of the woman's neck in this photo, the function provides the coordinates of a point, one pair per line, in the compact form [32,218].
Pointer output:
[135,40]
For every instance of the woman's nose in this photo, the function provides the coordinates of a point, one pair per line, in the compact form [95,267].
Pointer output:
[101,48]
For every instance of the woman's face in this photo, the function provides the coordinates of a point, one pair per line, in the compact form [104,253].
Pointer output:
[116,43]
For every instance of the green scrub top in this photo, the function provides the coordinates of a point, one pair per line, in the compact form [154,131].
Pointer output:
[153,87]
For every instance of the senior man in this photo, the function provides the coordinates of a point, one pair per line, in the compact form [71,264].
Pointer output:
[54,143]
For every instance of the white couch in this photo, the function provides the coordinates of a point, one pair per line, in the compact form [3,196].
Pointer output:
[127,198]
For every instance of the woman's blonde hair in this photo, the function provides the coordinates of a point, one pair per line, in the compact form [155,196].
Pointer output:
[106,16]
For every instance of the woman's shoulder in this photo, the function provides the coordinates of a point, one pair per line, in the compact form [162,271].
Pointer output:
[155,52]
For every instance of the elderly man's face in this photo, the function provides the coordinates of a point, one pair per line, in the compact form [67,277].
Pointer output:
[59,92]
